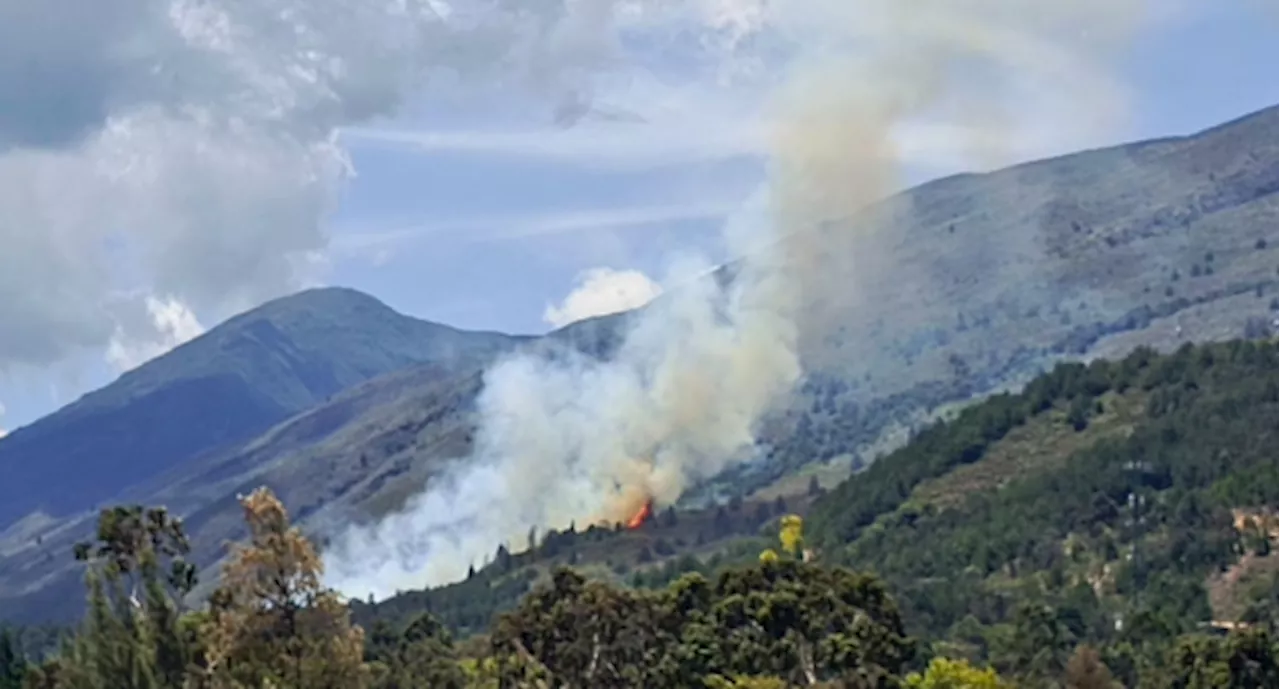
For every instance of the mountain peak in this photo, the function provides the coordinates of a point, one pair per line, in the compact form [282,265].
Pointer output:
[238,379]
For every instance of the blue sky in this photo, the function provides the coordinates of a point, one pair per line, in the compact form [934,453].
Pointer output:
[1192,75]
[479,212]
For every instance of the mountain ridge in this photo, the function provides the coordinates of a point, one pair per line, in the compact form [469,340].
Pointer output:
[236,380]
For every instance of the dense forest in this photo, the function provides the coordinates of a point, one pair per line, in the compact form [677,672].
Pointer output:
[1111,525]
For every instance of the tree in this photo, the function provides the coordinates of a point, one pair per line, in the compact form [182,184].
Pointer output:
[132,637]
[791,535]
[1245,659]
[1036,644]
[1085,670]
[581,633]
[13,666]
[271,622]
[815,488]
[797,622]
[943,673]
[1263,599]
[422,656]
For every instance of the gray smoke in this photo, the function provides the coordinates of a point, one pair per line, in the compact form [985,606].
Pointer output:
[576,439]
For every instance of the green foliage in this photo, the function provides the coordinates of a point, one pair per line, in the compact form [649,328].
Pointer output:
[955,674]
[136,578]
[422,656]
[784,619]
[1111,546]
[718,682]
[1242,660]
[13,664]
[1084,573]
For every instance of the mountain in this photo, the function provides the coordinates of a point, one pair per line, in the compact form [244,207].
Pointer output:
[222,388]
[939,296]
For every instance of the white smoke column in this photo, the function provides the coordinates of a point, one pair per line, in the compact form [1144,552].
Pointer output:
[571,438]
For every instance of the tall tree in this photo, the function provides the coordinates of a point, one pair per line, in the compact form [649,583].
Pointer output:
[271,622]
[136,577]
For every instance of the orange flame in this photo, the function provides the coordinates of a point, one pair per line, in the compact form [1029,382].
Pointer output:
[640,517]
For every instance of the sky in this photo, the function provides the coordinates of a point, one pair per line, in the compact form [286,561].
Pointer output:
[165,164]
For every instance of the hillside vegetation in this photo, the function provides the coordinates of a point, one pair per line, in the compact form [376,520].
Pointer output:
[1108,498]
[1120,504]
[783,621]
[943,294]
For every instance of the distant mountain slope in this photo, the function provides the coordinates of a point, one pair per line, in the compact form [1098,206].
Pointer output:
[967,285]
[235,381]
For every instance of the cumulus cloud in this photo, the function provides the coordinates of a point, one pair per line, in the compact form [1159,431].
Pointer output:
[602,291]
[168,324]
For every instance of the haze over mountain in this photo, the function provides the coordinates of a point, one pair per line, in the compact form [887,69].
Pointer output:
[347,409]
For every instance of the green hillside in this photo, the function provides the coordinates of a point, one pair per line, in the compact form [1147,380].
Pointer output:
[1116,493]
[1121,504]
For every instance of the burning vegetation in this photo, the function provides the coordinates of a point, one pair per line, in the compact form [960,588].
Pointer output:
[642,515]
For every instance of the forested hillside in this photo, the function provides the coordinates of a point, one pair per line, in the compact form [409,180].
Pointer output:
[1118,504]
[1113,522]
[784,621]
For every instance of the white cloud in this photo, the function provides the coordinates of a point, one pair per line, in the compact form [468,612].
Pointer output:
[602,291]
[190,149]
[187,149]
[379,245]
[603,145]
[3,432]
[170,324]
[936,147]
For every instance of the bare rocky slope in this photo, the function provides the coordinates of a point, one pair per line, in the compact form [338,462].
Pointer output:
[947,292]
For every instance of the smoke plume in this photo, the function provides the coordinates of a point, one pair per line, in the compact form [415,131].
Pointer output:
[571,438]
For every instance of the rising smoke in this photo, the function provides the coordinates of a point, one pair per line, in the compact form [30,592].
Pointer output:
[572,438]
